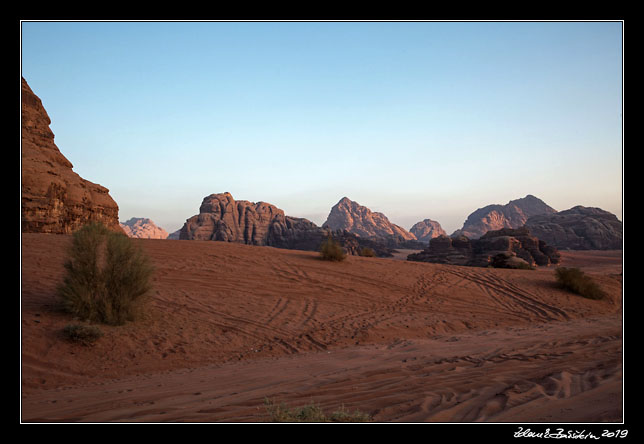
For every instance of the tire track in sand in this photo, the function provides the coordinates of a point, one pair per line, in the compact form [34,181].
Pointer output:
[509,295]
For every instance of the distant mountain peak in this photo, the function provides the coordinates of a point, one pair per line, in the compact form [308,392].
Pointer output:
[358,219]
[427,229]
[143,228]
[514,214]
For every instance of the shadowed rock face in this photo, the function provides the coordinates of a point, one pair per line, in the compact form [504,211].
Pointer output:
[579,228]
[143,228]
[514,214]
[54,198]
[360,220]
[222,218]
[175,235]
[426,230]
[505,248]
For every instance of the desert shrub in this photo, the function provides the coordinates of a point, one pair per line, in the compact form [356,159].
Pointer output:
[367,252]
[312,413]
[107,277]
[573,279]
[331,250]
[343,415]
[83,334]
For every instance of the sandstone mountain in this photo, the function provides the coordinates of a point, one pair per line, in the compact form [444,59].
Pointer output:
[579,228]
[55,199]
[514,214]
[504,248]
[426,230]
[222,218]
[360,220]
[143,228]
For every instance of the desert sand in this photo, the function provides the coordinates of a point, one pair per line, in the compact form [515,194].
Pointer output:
[231,325]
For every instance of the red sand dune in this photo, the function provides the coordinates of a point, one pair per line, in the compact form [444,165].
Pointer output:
[231,325]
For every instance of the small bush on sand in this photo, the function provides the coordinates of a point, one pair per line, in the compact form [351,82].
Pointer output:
[83,334]
[331,250]
[107,277]
[573,279]
[367,252]
[312,413]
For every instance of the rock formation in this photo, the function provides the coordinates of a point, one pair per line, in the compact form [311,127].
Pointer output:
[361,221]
[175,235]
[514,214]
[504,248]
[143,228]
[579,228]
[426,230]
[445,250]
[222,218]
[55,199]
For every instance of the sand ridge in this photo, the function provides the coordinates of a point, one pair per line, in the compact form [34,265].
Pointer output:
[231,325]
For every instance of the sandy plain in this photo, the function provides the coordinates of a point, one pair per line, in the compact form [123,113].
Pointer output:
[231,325]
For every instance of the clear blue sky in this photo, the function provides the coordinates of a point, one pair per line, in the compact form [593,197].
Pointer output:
[414,119]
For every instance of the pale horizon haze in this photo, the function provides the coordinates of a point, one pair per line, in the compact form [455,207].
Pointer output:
[415,120]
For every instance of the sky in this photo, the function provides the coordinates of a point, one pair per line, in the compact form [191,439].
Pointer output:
[416,120]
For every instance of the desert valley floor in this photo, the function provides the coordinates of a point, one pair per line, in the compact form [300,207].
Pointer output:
[231,325]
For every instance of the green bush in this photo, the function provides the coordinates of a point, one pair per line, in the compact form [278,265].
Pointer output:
[312,413]
[83,334]
[107,277]
[330,250]
[367,252]
[573,279]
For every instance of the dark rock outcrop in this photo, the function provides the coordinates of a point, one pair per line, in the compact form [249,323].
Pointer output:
[505,248]
[55,199]
[579,228]
[221,218]
[514,214]
[143,228]
[426,230]
[176,235]
[445,250]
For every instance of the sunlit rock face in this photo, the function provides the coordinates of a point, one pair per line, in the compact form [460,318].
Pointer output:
[514,214]
[143,228]
[426,230]
[360,220]
[55,199]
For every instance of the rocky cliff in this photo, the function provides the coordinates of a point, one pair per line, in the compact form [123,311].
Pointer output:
[361,221]
[426,230]
[514,214]
[579,228]
[504,248]
[55,199]
[222,218]
[143,228]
